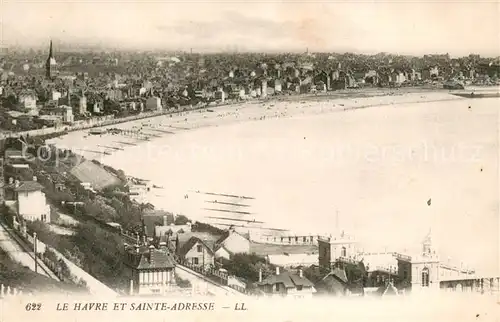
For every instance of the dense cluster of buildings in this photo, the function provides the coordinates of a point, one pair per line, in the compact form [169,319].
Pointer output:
[334,256]
[45,92]
[41,91]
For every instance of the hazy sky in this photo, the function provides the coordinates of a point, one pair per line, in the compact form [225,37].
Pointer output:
[415,27]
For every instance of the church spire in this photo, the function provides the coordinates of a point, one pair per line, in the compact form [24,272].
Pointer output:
[50,50]
[50,64]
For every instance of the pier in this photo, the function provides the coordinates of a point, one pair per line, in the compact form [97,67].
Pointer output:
[229,211]
[110,147]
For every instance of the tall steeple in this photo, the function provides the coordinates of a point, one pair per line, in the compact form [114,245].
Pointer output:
[50,64]
[50,50]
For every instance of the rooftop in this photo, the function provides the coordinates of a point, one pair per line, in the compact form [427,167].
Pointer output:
[288,279]
[156,259]
[29,186]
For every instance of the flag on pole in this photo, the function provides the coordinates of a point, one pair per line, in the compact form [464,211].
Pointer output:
[429,202]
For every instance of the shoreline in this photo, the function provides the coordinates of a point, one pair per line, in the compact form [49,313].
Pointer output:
[200,172]
[351,93]
[98,147]
[153,127]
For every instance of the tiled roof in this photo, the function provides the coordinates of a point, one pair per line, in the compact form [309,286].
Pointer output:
[186,247]
[339,273]
[156,259]
[28,186]
[288,279]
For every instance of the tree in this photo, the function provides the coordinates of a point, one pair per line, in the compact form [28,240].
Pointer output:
[181,220]
[246,265]
[102,253]
[100,210]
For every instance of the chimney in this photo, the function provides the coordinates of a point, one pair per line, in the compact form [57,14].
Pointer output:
[301,274]
[165,221]
[277,270]
[260,275]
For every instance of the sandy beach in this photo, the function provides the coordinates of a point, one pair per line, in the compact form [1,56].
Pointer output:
[251,149]
[150,129]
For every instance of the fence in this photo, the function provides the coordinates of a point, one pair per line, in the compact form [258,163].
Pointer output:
[11,291]
[213,274]
[287,240]
[75,274]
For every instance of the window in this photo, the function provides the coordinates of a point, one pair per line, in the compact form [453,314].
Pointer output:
[199,248]
[195,261]
[343,252]
[405,275]
[304,239]
[425,277]
[296,239]
[299,287]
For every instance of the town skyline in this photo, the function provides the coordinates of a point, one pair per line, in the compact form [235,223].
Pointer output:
[258,27]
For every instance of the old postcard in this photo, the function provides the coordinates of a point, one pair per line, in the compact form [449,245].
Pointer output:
[249,160]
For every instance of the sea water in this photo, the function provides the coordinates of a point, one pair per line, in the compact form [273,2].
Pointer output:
[385,174]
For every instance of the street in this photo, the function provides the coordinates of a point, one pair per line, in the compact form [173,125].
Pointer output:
[16,251]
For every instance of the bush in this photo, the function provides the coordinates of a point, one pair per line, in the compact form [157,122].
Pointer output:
[99,209]
[248,266]
[182,282]
[206,228]
[102,254]
[181,220]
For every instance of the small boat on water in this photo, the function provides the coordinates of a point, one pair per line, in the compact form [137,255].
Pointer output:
[97,131]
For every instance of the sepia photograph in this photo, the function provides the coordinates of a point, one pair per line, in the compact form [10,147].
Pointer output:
[252,160]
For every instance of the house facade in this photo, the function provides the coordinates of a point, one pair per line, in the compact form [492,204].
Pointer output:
[151,271]
[197,253]
[31,202]
[330,249]
[28,100]
[334,283]
[286,284]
